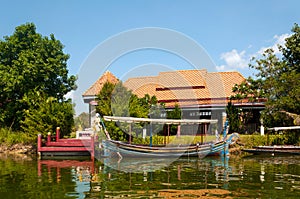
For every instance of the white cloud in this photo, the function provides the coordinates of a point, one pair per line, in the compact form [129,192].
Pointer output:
[234,60]
[278,40]
[220,68]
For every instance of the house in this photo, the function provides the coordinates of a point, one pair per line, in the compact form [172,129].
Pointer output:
[200,94]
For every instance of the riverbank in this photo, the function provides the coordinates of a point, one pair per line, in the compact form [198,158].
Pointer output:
[245,141]
[18,149]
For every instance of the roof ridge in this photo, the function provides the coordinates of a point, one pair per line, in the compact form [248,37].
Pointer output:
[184,70]
[224,72]
[142,77]
[107,76]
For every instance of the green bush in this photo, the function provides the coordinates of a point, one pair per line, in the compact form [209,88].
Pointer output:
[47,115]
[250,141]
[9,137]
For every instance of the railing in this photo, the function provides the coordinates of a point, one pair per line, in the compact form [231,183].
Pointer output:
[65,145]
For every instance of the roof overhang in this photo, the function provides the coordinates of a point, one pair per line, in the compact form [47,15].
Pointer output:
[88,98]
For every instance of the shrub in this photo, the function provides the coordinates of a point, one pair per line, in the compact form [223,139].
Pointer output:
[9,137]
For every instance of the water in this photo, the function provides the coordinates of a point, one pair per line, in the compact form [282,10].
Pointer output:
[251,177]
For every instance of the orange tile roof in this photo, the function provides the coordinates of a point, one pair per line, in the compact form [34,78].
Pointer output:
[187,87]
[97,86]
[184,87]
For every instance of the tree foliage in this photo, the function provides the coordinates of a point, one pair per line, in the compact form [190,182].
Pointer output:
[277,80]
[31,62]
[115,99]
[176,113]
[47,113]
[249,89]
[104,99]
[281,80]
[233,115]
[82,121]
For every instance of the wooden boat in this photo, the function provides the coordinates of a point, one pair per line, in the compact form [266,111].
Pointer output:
[200,150]
[169,150]
[126,149]
[274,150]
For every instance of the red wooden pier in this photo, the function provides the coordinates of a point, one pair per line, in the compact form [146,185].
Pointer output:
[65,147]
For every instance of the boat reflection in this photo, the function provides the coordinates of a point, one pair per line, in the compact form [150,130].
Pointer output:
[218,165]
[137,165]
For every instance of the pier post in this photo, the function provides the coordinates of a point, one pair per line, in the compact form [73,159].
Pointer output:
[150,134]
[39,145]
[49,138]
[57,133]
[92,147]
[262,128]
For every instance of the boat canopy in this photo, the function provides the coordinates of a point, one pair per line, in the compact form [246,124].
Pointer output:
[158,121]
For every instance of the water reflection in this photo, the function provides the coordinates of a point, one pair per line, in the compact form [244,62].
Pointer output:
[82,172]
[161,174]
[275,177]
[251,177]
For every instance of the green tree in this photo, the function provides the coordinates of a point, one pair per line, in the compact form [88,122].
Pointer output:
[176,113]
[250,90]
[233,115]
[281,80]
[115,99]
[82,121]
[47,113]
[104,99]
[30,62]
[120,101]
[108,100]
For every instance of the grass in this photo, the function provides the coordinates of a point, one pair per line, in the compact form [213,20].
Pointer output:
[9,138]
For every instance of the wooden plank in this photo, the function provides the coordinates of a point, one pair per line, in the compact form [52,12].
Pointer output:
[64,149]
[64,153]
[68,144]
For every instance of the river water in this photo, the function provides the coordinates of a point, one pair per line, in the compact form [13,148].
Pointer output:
[215,177]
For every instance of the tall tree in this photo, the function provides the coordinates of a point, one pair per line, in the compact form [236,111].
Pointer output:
[82,121]
[281,80]
[46,114]
[104,99]
[30,62]
[233,115]
[115,99]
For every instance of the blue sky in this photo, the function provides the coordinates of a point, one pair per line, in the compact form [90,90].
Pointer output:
[230,32]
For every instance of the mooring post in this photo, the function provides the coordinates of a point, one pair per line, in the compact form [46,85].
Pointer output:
[57,133]
[39,168]
[49,138]
[92,147]
[168,133]
[150,134]
[130,133]
[39,145]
